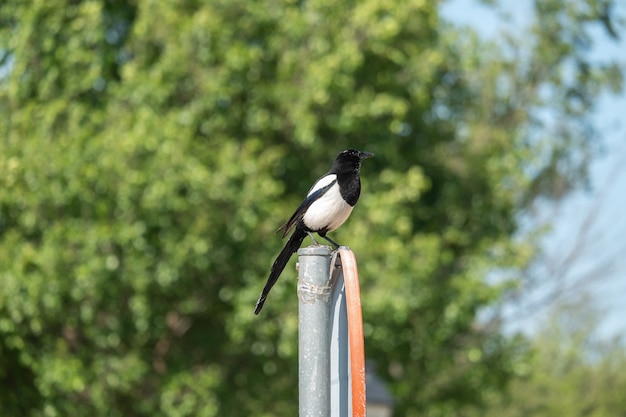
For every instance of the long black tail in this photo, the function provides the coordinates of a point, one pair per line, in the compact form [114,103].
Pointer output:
[292,246]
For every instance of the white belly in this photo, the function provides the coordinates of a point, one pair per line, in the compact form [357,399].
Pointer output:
[329,212]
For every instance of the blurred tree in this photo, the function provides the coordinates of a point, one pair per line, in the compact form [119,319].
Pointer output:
[574,372]
[151,148]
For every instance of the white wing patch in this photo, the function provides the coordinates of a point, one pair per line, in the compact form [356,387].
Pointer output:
[322,182]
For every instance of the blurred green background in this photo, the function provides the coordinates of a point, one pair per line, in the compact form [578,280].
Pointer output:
[151,148]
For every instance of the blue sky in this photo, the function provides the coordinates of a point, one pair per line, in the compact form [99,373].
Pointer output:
[585,253]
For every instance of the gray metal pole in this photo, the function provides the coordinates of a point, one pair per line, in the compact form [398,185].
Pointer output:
[340,394]
[314,337]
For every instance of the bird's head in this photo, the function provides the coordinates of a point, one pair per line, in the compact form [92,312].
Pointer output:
[354,154]
[350,159]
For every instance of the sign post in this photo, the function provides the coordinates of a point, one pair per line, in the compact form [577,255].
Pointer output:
[331,350]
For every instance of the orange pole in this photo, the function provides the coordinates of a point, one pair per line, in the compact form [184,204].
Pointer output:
[355,330]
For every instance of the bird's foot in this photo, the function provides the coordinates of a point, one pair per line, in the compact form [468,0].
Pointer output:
[332,242]
[313,238]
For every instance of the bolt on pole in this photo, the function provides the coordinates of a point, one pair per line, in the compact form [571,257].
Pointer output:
[314,294]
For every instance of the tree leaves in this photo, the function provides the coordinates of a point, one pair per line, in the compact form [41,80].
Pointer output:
[150,150]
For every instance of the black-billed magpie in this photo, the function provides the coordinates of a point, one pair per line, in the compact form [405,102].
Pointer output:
[326,207]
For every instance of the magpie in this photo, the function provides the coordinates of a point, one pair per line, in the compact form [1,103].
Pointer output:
[326,207]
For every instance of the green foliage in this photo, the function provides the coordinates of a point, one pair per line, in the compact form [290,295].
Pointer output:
[573,371]
[150,149]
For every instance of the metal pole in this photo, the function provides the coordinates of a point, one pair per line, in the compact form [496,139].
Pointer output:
[339,351]
[314,337]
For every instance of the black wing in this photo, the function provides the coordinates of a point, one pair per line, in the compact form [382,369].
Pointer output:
[299,213]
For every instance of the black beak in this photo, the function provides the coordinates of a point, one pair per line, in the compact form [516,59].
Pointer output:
[365,155]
